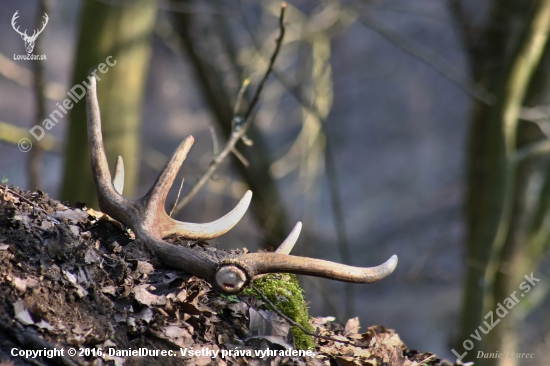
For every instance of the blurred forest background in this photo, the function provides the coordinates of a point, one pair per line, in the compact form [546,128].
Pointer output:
[418,128]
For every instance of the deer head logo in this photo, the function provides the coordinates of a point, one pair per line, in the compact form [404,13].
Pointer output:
[29,40]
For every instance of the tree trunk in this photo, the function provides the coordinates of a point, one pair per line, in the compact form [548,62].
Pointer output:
[503,60]
[122,34]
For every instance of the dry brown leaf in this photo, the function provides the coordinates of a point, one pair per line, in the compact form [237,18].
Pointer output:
[111,290]
[146,298]
[21,312]
[267,323]
[44,325]
[352,326]
[144,267]
[19,283]
[182,295]
[346,361]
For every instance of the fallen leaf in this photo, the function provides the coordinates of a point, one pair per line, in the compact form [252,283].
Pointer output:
[75,215]
[75,230]
[19,283]
[146,298]
[111,290]
[239,309]
[144,267]
[71,277]
[347,361]
[120,318]
[21,313]
[175,332]
[146,314]
[267,323]
[44,325]
[352,326]
[323,320]
[91,256]
[182,295]
[255,341]
[95,214]
[23,219]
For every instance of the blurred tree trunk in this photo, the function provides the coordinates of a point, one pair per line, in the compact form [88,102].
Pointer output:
[506,197]
[122,32]
[266,202]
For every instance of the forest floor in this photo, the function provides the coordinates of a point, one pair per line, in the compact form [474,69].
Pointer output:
[74,279]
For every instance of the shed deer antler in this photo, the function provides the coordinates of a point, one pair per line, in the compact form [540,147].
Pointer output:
[148,219]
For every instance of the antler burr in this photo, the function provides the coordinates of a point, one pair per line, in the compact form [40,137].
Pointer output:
[148,219]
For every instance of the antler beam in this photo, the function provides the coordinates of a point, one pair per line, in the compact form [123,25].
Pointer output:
[148,219]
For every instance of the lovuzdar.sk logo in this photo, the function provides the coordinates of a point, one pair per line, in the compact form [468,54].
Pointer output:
[29,40]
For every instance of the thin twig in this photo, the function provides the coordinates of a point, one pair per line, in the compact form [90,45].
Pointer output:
[241,157]
[293,323]
[178,197]
[215,144]
[245,84]
[18,195]
[426,359]
[428,57]
[239,132]
[332,175]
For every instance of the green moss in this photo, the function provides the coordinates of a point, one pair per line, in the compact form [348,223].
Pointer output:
[285,292]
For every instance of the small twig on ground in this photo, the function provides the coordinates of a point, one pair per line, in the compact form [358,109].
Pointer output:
[426,359]
[239,130]
[293,323]
[6,189]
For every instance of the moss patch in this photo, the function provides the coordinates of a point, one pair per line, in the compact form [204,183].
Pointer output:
[285,292]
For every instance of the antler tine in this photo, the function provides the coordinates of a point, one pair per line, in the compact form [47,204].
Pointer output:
[156,197]
[208,230]
[275,262]
[148,218]
[109,199]
[287,245]
[118,178]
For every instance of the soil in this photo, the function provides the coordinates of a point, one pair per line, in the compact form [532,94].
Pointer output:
[72,278]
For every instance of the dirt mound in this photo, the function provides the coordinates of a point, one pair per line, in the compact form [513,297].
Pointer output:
[72,279]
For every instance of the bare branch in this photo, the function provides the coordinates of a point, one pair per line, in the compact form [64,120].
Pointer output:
[428,57]
[239,131]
